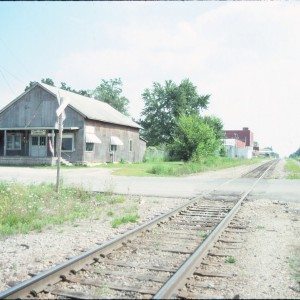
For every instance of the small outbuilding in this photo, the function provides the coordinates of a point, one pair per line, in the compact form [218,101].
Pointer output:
[93,131]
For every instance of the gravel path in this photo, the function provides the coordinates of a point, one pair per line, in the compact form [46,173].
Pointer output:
[262,265]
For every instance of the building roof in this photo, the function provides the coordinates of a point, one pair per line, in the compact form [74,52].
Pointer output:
[88,107]
[91,108]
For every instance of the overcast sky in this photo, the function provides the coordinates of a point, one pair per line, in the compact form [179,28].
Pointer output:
[245,54]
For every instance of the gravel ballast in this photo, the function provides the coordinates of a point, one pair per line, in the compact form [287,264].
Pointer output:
[263,264]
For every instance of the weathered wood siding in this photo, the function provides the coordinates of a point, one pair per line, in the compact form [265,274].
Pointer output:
[74,119]
[34,109]
[104,131]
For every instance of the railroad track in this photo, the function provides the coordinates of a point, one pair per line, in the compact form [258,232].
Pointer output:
[157,260]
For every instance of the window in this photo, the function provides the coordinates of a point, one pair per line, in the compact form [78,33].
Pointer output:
[67,142]
[13,142]
[89,146]
[130,145]
[42,141]
[35,141]
[113,148]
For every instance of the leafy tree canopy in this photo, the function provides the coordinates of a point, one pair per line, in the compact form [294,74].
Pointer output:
[110,91]
[296,153]
[216,124]
[63,86]
[163,106]
[194,139]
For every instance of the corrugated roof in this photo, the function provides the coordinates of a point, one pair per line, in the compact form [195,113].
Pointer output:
[91,108]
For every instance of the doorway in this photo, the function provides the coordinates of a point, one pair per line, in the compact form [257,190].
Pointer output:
[38,146]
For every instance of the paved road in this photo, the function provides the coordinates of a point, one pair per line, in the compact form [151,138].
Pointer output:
[97,179]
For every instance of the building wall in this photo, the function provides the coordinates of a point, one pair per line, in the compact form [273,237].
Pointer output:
[34,109]
[244,135]
[102,152]
[37,110]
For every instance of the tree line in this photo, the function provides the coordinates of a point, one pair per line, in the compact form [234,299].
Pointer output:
[171,118]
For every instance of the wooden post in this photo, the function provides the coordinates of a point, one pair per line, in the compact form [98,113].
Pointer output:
[5,143]
[60,128]
[59,152]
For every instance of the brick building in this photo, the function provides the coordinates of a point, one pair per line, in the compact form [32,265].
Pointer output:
[244,135]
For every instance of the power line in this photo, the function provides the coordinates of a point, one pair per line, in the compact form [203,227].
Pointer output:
[4,69]
[14,56]
[7,83]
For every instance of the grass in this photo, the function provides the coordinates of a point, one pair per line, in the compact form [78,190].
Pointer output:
[230,260]
[203,234]
[24,208]
[177,168]
[260,227]
[294,263]
[126,219]
[293,168]
[163,168]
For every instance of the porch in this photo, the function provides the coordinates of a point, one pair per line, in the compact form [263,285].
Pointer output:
[27,161]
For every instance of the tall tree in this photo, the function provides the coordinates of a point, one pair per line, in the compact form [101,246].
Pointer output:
[194,139]
[216,124]
[163,106]
[110,92]
[48,81]
[85,93]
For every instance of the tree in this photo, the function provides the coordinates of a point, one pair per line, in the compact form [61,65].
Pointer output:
[31,83]
[163,106]
[85,93]
[295,154]
[48,81]
[216,124]
[194,139]
[110,92]
[63,86]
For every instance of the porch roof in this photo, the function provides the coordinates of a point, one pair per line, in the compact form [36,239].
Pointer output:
[36,128]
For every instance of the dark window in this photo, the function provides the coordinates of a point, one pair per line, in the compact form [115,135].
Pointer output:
[13,142]
[42,140]
[35,140]
[67,143]
[89,147]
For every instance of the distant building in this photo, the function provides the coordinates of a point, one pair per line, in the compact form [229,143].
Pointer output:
[244,135]
[239,143]
[237,148]
[266,152]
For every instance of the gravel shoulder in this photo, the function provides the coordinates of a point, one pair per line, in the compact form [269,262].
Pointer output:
[263,264]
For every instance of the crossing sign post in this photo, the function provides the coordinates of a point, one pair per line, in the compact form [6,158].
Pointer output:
[60,112]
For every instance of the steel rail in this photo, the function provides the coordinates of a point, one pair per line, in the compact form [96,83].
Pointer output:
[55,274]
[178,279]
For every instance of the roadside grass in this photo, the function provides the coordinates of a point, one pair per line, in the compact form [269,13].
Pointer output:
[178,168]
[230,260]
[132,218]
[167,168]
[24,208]
[293,168]
[294,263]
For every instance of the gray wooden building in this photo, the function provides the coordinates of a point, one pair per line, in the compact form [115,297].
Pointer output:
[93,131]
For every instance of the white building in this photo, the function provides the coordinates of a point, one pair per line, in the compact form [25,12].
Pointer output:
[237,148]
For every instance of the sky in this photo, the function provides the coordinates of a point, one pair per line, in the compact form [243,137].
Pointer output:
[244,54]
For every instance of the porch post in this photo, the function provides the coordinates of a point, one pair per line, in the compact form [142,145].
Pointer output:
[4,150]
[52,140]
